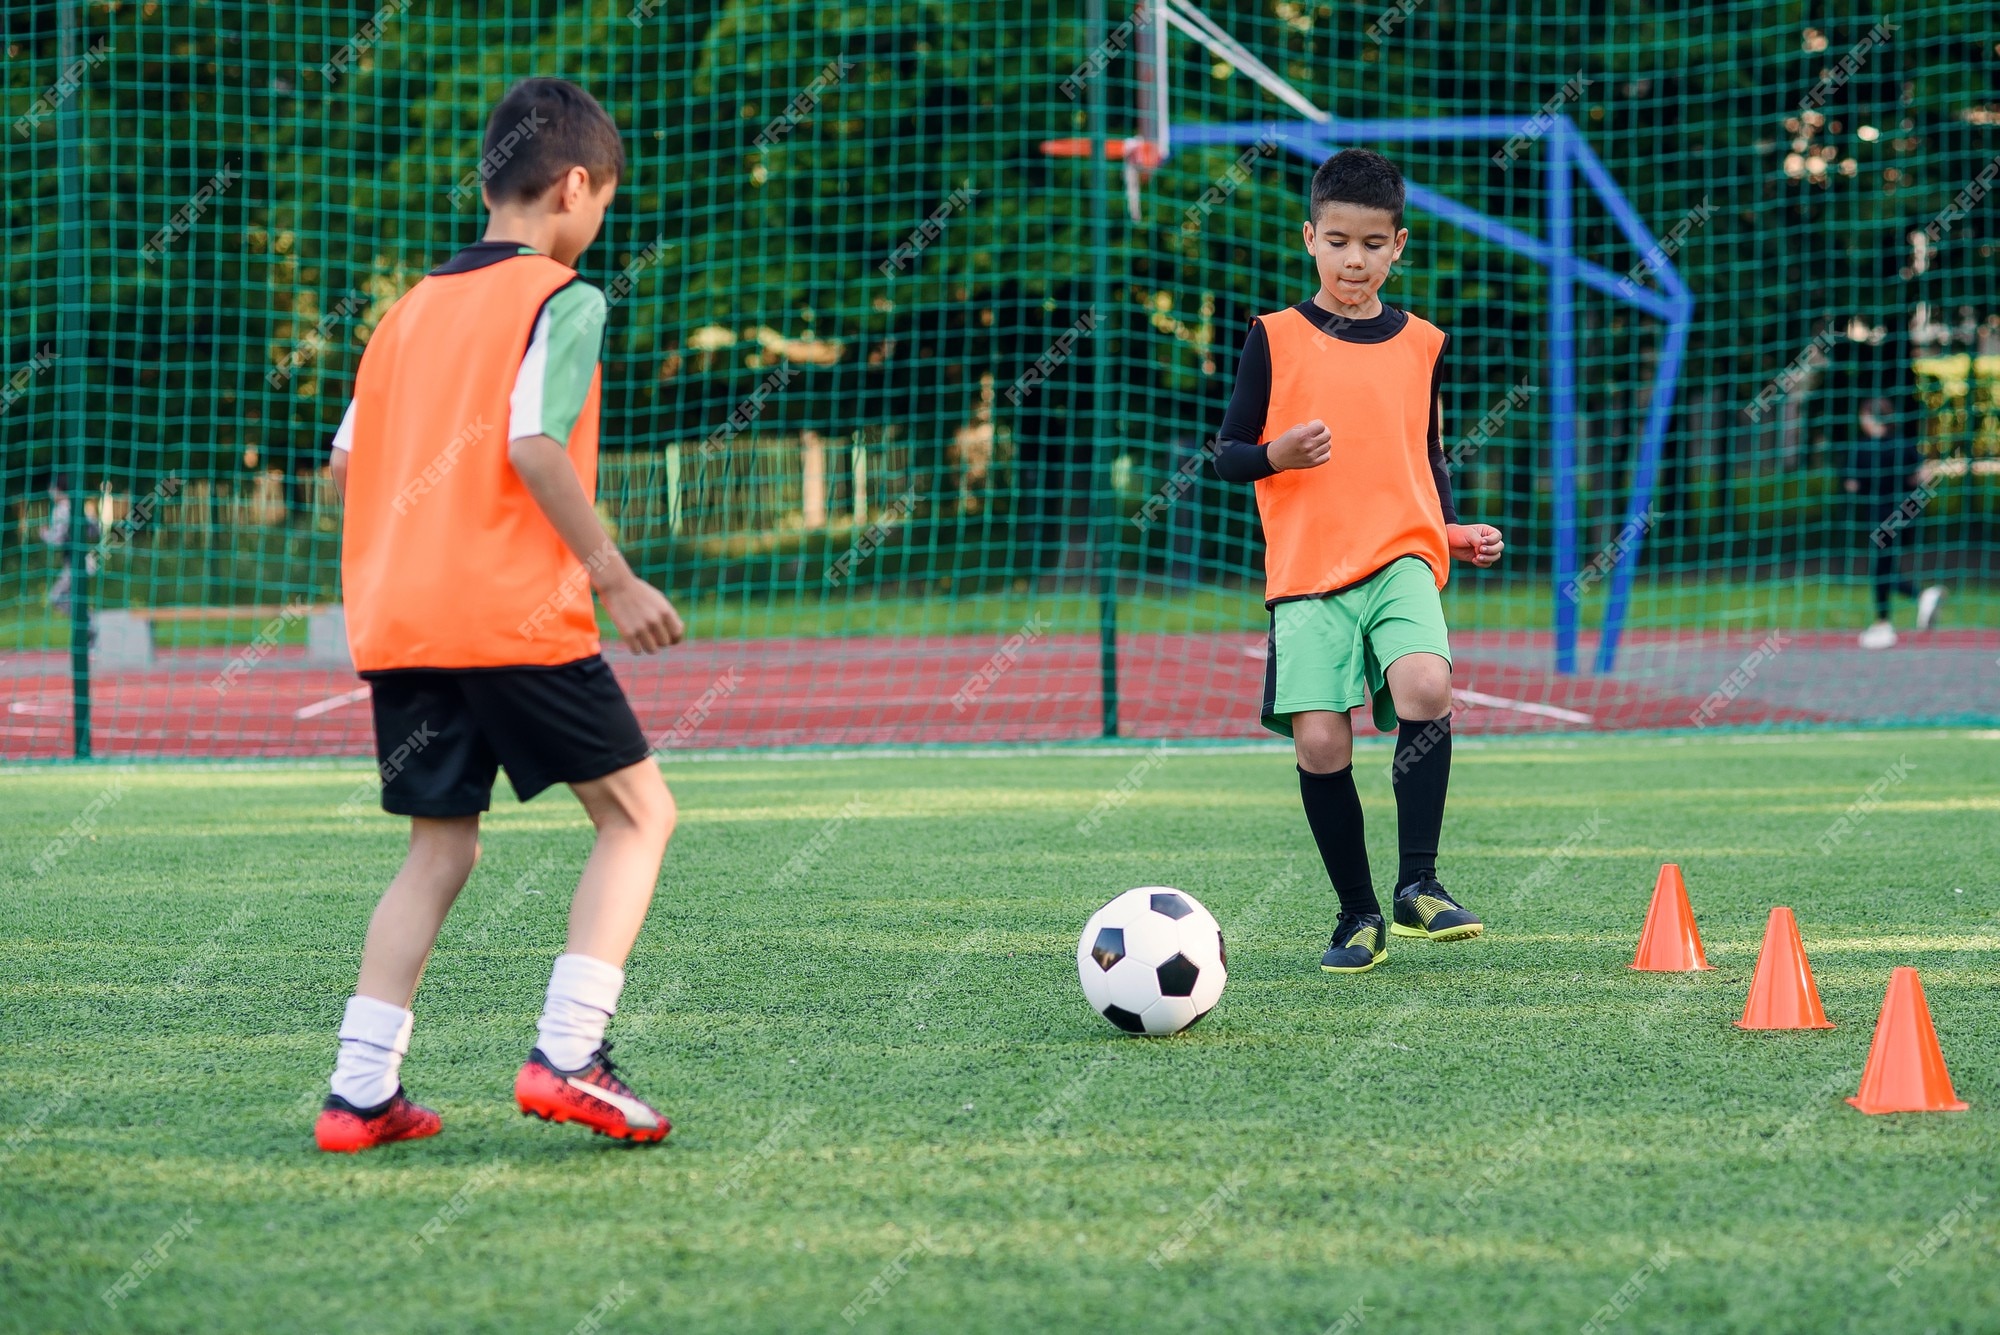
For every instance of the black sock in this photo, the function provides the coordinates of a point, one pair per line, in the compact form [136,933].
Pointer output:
[1333,810]
[1420,776]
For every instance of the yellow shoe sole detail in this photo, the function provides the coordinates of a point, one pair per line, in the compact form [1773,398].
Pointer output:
[1465,932]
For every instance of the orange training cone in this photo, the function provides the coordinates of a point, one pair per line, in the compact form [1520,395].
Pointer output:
[1669,943]
[1782,995]
[1905,1071]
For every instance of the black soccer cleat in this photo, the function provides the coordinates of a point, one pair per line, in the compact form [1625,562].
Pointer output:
[1358,945]
[1425,910]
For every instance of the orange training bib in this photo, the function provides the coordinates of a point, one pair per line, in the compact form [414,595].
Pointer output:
[446,558]
[1375,499]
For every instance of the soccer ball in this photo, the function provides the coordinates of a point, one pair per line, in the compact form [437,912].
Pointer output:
[1152,961]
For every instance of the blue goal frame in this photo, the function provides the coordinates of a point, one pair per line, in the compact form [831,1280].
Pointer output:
[1568,153]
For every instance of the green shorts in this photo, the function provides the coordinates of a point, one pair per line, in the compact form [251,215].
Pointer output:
[1333,652]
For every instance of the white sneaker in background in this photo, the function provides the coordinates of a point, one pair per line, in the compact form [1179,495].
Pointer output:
[1881,635]
[1927,606]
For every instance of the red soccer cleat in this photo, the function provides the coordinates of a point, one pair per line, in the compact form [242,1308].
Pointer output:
[592,1096]
[345,1129]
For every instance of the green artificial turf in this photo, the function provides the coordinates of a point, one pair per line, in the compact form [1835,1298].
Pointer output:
[887,1074]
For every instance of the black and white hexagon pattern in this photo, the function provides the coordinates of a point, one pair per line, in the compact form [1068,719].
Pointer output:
[1151,961]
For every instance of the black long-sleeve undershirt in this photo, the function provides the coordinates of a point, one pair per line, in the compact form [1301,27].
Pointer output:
[1239,457]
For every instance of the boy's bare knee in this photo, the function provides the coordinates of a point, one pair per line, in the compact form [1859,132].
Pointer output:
[1420,684]
[636,798]
[1424,705]
[659,814]
[463,858]
[446,839]
[1325,757]
[1324,745]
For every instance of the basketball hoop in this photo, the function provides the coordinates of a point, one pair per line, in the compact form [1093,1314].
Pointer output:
[1142,153]
[1138,157]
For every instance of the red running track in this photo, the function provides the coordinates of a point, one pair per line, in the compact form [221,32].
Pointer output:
[845,691]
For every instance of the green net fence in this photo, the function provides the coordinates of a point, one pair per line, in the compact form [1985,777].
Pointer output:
[909,414]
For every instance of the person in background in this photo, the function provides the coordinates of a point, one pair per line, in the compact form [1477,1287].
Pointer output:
[1885,473]
[56,534]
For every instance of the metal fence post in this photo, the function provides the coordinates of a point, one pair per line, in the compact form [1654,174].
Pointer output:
[71,340]
[1103,520]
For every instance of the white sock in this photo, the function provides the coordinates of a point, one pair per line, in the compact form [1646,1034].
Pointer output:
[583,994]
[373,1038]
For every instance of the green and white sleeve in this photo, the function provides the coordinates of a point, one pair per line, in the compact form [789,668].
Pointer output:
[562,357]
[343,439]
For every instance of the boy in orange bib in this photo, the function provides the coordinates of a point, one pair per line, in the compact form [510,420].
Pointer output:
[467,463]
[1336,418]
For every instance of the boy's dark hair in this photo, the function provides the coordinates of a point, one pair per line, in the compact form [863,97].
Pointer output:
[541,129]
[1358,176]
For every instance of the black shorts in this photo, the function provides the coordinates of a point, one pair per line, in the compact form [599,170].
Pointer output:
[440,736]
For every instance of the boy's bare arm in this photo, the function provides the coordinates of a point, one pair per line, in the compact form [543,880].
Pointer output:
[339,469]
[644,617]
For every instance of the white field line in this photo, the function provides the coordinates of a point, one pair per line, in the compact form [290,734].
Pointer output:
[331,703]
[1523,706]
[1481,698]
